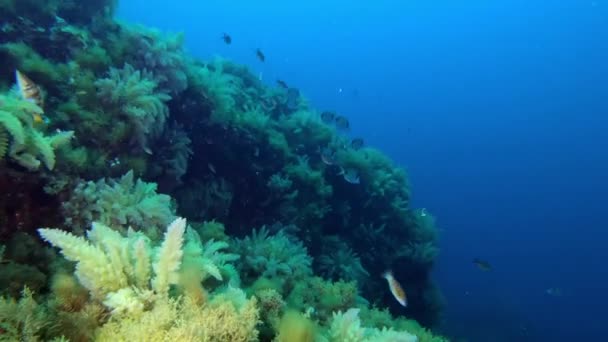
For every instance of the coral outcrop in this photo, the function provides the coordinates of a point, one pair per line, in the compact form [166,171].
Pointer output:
[134,133]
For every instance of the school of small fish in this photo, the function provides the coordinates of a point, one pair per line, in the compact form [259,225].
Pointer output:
[327,154]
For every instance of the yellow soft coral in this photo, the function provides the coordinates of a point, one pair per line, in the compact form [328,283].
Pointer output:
[169,257]
[94,269]
[109,264]
[184,320]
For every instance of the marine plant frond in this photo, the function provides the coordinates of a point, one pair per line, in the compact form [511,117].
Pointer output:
[21,140]
[13,126]
[45,151]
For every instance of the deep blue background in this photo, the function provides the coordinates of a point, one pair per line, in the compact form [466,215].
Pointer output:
[498,110]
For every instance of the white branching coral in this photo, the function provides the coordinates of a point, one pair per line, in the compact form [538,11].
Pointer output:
[169,257]
[116,269]
[94,269]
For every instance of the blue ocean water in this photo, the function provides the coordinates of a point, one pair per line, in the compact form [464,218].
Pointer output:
[498,110]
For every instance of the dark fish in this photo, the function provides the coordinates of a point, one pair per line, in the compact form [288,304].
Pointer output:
[328,117]
[342,122]
[260,55]
[351,176]
[356,144]
[293,95]
[328,156]
[282,84]
[227,39]
[482,264]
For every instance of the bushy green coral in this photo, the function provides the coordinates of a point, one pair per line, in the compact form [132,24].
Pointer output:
[306,127]
[277,256]
[173,155]
[380,319]
[210,230]
[346,327]
[206,260]
[420,253]
[14,276]
[44,72]
[160,54]
[73,11]
[120,203]
[21,141]
[22,320]
[340,262]
[322,297]
[279,184]
[133,94]
[206,200]
[218,89]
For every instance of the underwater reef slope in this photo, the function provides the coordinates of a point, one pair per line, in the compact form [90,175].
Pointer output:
[111,136]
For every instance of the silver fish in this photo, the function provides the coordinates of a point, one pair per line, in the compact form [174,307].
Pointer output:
[351,175]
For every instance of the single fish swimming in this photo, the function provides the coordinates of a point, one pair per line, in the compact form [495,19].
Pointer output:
[31,92]
[260,55]
[482,264]
[342,122]
[423,212]
[328,156]
[293,95]
[28,89]
[226,38]
[395,288]
[350,175]
[328,117]
[554,291]
[357,143]
[282,84]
